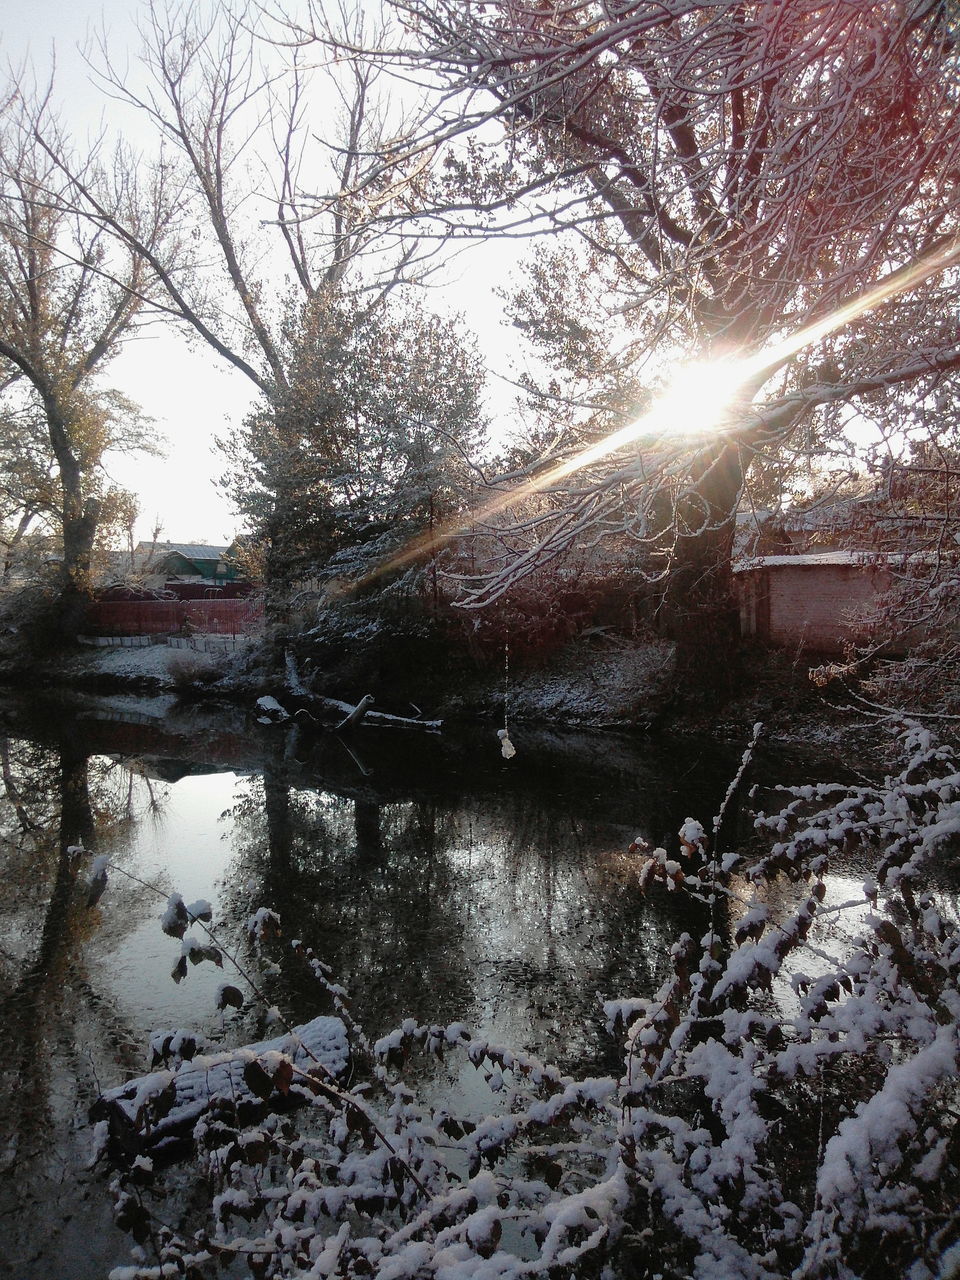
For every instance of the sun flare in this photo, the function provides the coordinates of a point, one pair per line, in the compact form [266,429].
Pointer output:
[695,402]
[697,399]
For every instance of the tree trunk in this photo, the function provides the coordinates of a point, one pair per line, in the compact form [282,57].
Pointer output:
[80,518]
[367,830]
[699,608]
[277,592]
[79,533]
[14,543]
[276,803]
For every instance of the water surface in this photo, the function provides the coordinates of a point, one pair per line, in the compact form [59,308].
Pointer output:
[436,879]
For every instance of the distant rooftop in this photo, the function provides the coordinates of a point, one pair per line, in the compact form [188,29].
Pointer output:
[189,550]
[808,559]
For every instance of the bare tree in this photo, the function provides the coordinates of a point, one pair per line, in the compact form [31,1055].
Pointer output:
[69,295]
[245,126]
[724,175]
[269,153]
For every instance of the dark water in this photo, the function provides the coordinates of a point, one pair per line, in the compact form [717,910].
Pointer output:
[438,880]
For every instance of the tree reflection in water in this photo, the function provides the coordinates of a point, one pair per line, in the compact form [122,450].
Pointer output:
[481,898]
[61,1032]
[437,881]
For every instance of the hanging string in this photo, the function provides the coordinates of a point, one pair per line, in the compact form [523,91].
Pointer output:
[507,749]
[506,679]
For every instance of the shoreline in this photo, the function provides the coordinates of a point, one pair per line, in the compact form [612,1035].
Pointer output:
[616,689]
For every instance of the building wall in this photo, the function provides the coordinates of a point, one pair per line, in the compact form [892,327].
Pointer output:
[809,606]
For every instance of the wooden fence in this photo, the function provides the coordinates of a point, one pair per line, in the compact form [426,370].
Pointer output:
[174,617]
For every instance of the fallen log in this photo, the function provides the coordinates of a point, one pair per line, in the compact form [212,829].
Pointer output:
[385,721]
[301,702]
[155,1114]
[331,713]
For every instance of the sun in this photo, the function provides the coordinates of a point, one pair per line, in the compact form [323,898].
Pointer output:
[696,402]
[697,399]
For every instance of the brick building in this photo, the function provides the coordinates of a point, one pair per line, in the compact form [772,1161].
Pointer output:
[815,601]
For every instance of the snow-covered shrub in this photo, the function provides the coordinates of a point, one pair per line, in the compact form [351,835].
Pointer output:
[790,1094]
[787,1106]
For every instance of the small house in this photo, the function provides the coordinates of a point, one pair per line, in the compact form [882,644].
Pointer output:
[816,602]
[185,562]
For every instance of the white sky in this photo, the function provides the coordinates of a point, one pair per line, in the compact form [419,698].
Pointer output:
[192,394]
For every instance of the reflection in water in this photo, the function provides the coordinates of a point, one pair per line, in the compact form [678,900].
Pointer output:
[60,1029]
[436,879]
[498,907]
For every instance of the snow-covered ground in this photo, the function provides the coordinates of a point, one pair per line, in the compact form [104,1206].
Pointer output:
[609,686]
[587,686]
[156,662]
[134,663]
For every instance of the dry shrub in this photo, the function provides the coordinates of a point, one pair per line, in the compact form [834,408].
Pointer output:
[31,622]
[540,614]
[190,670]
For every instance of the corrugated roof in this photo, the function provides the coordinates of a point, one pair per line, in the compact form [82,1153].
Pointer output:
[190,550]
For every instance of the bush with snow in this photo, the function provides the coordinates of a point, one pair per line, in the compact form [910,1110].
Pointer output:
[787,1106]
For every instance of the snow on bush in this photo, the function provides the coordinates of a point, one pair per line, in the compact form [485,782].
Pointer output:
[767,1123]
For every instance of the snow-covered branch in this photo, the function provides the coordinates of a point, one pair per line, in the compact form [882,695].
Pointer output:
[786,1107]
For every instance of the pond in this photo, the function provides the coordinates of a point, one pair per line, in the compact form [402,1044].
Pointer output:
[437,879]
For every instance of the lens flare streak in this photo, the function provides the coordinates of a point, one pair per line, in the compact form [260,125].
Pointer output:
[696,403]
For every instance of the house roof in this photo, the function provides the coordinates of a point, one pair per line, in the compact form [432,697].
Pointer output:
[189,550]
[809,560]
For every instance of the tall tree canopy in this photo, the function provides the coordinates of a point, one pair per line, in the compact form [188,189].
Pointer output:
[369,442]
[68,297]
[730,173]
[269,152]
[266,152]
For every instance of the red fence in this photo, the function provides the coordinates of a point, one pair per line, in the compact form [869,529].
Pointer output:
[172,617]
